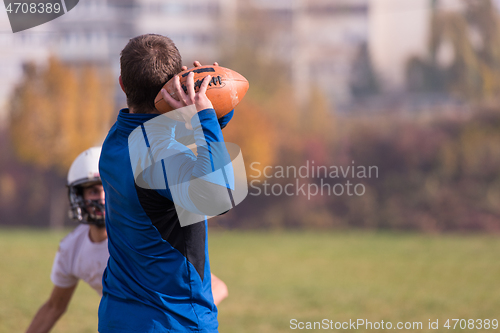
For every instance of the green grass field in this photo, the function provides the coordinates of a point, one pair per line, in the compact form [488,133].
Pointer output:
[276,277]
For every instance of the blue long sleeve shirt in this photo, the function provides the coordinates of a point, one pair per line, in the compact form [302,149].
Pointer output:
[158,275]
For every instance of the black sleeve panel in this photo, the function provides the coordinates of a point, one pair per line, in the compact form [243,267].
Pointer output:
[188,240]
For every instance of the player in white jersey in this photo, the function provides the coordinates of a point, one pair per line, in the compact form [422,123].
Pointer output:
[83,254]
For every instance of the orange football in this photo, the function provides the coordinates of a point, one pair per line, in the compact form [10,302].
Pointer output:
[225,90]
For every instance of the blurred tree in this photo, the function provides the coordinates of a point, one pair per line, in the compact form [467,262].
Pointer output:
[254,132]
[267,116]
[56,112]
[364,80]
[254,54]
[285,129]
[464,53]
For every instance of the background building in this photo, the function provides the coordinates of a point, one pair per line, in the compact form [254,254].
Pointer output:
[342,48]
[398,29]
[318,40]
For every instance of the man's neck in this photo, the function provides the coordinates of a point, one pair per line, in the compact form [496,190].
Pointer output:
[97,234]
[132,110]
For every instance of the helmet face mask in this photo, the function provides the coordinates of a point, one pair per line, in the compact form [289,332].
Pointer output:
[84,173]
[85,211]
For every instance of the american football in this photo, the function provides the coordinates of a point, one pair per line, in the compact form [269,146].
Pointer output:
[225,90]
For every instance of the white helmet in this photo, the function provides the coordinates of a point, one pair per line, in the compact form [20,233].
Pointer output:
[85,172]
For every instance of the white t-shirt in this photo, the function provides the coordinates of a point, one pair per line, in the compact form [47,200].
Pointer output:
[79,258]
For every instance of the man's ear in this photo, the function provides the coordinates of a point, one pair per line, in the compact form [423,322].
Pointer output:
[121,83]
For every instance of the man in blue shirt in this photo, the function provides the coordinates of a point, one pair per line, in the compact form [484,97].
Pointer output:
[158,275]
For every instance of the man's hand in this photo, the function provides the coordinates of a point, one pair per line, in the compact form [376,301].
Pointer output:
[199,99]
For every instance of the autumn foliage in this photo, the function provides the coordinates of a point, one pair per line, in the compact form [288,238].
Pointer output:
[58,111]
[435,171]
[434,174]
